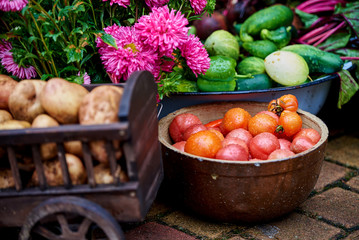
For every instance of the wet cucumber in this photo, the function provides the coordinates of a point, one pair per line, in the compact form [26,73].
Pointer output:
[269,18]
[259,81]
[318,61]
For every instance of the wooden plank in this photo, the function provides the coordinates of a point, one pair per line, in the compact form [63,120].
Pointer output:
[63,164]
[39,166]
[88,164]
[14,168]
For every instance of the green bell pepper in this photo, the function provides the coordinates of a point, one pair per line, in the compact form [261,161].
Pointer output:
[280,36]
[186,86]
[222,68]
[221,75]
[205,85]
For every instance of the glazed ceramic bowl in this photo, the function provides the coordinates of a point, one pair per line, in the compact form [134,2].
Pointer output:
[239,191]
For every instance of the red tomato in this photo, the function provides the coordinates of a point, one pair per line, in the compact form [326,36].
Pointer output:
[214,123]
[240,133]
[284,143]
[232,152]
[232,140]
[193,129]
[180,123]
[310,133]
[180,145]
[263,144]
[280,153]
[301,144]
[272,114]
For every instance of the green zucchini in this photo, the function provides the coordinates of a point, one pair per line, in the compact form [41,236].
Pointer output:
[259,81]
[269,18]
[318,61]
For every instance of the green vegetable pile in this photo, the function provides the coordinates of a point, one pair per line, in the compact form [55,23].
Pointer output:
[240,60]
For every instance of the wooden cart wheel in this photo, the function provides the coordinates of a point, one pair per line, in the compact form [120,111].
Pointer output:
[70,218]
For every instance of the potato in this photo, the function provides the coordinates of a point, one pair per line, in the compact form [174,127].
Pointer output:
[5,115]
[103,174]
[61,100]
[24,102]
[48,150]
[6,179]
[14,124]
[100,106]
[74,147]
[7,85]
[53,173]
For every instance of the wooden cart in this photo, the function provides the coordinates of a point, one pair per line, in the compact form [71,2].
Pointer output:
[74,211]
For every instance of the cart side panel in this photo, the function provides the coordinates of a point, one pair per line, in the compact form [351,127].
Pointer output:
[142,117]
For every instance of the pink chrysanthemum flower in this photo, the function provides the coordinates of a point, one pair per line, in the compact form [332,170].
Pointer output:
[12,5]
[198,5]
[129,56]
[7,60]
[162,30]
[87,79]
[156,3]
[123,3]
[196,56]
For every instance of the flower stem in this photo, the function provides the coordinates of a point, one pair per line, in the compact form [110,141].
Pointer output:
[43,41]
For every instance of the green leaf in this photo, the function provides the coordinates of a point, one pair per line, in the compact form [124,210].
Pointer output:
[108,39]
[335,41]
[351,12]
[348,87]
[73,53]
[306,18]
[54,36]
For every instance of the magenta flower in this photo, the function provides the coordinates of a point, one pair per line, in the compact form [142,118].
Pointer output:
[7,60]
[196,55]
[12,5]
[162,30]
[198,5]
[87,79]
[156,3]
[123,3]
[129,56]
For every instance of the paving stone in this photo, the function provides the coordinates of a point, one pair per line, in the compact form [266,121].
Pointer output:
[295,226]
[354,183]
[336,205]
[197,226]
[237,238]
[353,236]
[157,210]
[330,173]
[152,230]
[344,150]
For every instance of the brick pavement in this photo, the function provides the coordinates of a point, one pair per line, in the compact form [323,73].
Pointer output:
[331,211]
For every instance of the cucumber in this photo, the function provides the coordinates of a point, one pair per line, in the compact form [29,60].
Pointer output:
[259,81]
[260,48]
[269,18]
[251,65]
[318,61]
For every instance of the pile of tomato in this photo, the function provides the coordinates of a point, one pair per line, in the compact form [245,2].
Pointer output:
[274,133]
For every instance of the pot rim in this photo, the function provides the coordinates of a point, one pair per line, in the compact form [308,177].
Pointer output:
[309,116]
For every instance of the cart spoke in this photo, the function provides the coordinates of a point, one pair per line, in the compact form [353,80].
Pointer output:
[46,233]
[63,224]
[83,228]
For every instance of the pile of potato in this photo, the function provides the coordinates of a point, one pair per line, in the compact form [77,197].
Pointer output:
[41,104]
